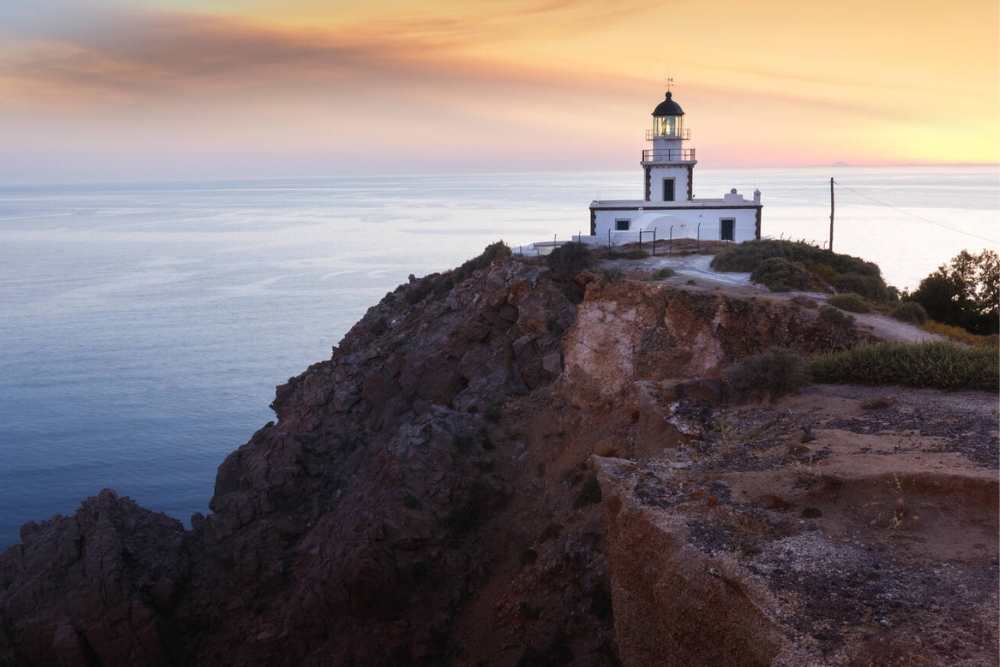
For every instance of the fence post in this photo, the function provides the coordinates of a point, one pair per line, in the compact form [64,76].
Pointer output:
[699,238]
[654,241]
[640,240]
[670,243]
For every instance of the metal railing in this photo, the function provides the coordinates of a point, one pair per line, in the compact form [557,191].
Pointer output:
[683,134]
[668,155]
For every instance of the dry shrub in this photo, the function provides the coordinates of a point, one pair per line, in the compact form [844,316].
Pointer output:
[773,374]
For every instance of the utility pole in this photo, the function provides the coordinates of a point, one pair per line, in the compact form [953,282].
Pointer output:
[831,214]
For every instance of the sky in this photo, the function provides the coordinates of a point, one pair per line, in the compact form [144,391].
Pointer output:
[148,89]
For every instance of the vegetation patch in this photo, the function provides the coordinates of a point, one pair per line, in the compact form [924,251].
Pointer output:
[662,274]
[803,265]
[570,259]
[613,273]
[853,303]
[804,301]
[910,312]
[961,335]
[780,275]
[930,364]
[748,256]
[965,294]
[833,317]
[492,252]
[773,374]
[870,287]
[416,294]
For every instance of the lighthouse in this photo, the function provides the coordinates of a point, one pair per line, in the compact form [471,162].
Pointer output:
[668,206]
[668,166]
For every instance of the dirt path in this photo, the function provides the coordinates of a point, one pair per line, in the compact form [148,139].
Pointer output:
[697,268]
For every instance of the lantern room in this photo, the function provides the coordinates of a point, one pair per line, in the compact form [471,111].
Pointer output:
[668,120]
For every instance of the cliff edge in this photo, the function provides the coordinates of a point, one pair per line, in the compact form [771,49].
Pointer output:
[501,465]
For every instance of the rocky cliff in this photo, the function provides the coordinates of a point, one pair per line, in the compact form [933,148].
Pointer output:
[496,467]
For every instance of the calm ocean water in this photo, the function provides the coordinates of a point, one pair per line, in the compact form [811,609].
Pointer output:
[145,326]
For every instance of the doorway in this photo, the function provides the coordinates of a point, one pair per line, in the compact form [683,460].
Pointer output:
[668,189]
[728,229]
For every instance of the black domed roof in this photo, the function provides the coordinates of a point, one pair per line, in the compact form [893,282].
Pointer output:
[668,107]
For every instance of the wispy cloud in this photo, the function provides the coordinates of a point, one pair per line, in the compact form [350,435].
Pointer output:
[524,77]
[131,52]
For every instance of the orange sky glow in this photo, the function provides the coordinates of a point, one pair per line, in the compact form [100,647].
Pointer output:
[227,88]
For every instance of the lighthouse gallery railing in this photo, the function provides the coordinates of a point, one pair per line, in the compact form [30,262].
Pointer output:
[668,155]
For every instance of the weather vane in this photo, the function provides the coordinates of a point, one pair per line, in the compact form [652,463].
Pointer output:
[670,82]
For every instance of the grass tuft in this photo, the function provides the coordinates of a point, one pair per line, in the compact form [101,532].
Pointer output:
[931,364]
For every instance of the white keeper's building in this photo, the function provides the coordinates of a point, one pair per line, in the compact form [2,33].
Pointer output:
[668,207]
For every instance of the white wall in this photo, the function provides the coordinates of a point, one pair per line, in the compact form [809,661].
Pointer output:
[656,176]
[684,222]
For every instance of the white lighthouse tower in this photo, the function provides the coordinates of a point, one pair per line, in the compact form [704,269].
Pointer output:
[668,207]
[668,166]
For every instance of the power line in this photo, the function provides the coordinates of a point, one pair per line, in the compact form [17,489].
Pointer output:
[914,215]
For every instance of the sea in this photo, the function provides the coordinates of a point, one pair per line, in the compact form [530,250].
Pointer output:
[144,326]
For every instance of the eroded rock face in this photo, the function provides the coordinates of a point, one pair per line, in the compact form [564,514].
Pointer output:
[629,331]
[424,497]
[675,605]
[869,545]
[94,588]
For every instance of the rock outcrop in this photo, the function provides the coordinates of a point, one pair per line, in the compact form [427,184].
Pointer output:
[432,495]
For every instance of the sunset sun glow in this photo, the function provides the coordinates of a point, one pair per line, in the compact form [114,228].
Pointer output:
[176,88]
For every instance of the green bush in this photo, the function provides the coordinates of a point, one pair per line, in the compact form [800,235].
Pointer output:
[661,274]
[492,252]
[853,273]
[932,364]
[613,273]
[570,259]
[780,275]
[870,287]
[416,293]
[827,273]
[749,255]
[853,303]
[773,374]
[832,317]
[911,312]
[965,293]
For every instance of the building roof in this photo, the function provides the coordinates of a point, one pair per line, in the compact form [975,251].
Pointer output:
[668,107]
